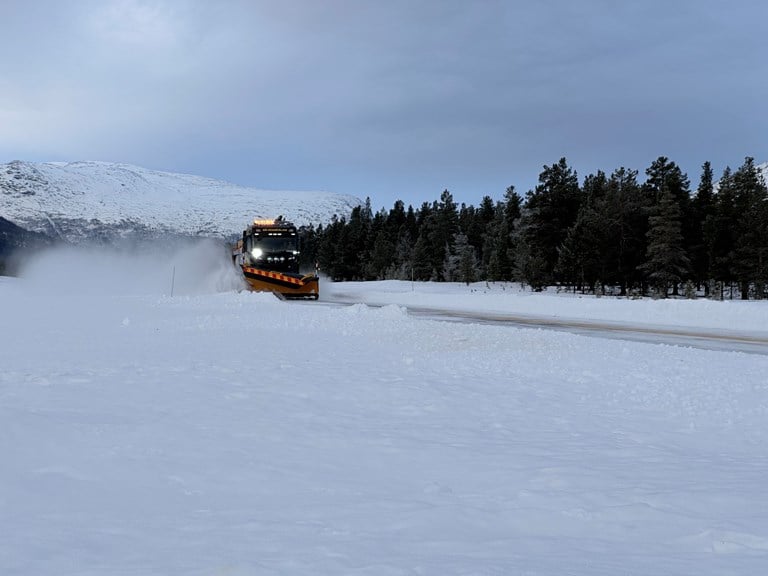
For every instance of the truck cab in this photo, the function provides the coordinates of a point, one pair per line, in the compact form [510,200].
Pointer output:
[268,255]
[272,245]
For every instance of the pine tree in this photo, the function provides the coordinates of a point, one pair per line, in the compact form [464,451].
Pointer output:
[476,223]
[381,257]
[329,256]
[493,269]
[580,260]
[443,228]
[550,210]
[353,244]
[529,266]
[468,270]
[499,267]
[461,263]
[492,264]
[402,268]
[702,210]
[667,263]
[396,219]
[720,230]
[750,254]
[665,175]
[486,212]
[512,205]
[411,222]
[422,259]
[627,227]
[309,239]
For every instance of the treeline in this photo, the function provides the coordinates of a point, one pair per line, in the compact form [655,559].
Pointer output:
[607,232]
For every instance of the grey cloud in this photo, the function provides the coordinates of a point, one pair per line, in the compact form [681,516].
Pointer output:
[389,99]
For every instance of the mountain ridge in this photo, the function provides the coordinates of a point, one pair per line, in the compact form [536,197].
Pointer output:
[80,201]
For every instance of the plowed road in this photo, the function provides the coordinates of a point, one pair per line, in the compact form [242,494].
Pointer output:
[708,339]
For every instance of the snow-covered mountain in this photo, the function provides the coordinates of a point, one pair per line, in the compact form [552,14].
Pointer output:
[86,200]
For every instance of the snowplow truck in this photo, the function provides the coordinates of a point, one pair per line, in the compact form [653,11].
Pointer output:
[268,255]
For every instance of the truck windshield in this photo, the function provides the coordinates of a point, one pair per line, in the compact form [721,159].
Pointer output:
[277,244]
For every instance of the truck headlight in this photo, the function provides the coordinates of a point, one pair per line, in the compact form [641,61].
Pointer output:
[257,253]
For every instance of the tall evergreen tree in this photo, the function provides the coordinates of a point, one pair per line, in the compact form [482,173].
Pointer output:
[309,246]
[720,230]
[513,211]
[627,221]
[750,255]
[667,263]
[402,267]
[353,245]
[703,210]
[468,270]
[442,230]
[381,257]
[461,263]
[396,218]
[422,268]
[411,222]
[664,176]
[329,253]
[513,204]
[581,255]
[476,224]
[486,212]
[498,248]
[550,210]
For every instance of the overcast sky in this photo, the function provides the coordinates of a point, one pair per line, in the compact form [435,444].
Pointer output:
[385,98]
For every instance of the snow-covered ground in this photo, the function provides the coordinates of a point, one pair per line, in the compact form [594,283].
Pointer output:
[217,432]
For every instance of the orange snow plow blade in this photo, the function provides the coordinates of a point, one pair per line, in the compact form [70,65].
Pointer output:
[284,284]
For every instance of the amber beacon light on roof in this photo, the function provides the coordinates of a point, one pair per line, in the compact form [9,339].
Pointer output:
[268,255]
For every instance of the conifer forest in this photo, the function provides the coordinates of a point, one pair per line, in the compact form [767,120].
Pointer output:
[609,234]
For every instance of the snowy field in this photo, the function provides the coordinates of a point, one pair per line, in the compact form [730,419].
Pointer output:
[217,432]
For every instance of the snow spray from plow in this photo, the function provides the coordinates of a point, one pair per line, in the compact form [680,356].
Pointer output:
[186,267]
